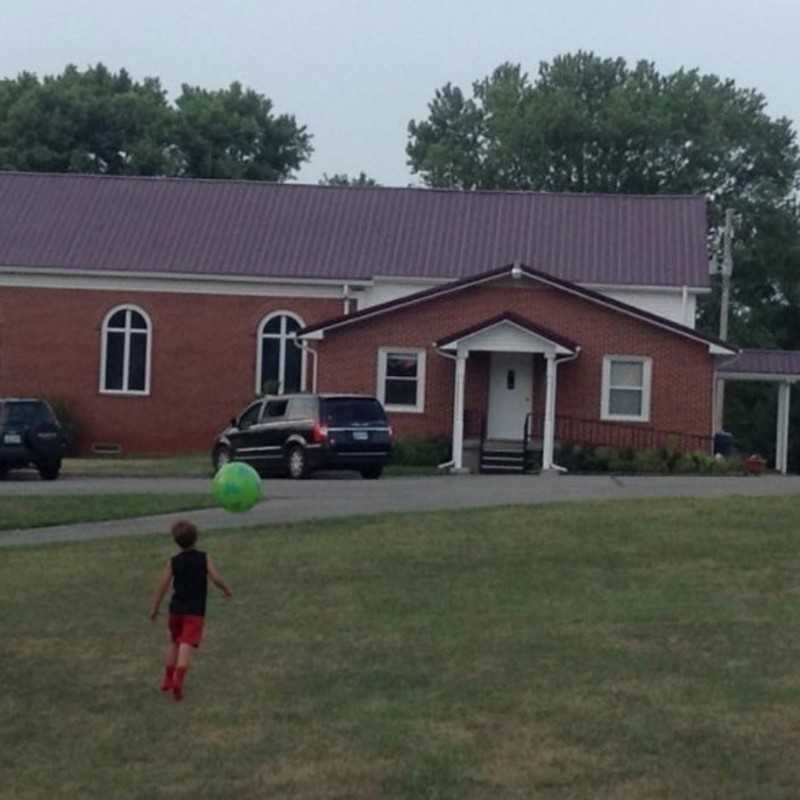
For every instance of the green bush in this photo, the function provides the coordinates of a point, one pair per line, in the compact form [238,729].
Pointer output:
[421,452]
[70,421]
[651,462]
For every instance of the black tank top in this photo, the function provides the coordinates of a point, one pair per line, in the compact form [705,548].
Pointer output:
[189,583]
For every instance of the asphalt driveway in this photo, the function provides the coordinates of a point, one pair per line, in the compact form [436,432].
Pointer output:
[289,501]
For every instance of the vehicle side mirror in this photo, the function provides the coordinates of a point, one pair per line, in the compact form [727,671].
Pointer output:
[234,422]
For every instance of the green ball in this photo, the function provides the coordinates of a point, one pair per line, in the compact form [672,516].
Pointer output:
[237,487]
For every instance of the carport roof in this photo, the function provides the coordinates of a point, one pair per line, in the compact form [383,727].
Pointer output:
[763,364]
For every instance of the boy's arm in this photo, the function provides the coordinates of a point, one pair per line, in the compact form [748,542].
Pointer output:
[163,586]
[217,579]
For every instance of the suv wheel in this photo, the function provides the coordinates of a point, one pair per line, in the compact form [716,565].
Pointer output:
[372,473]
[221,457]
[297,463]
[49,469]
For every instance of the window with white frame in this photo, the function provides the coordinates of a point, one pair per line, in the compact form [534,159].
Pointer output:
[401,378]
[626,388]
[281,363]
[125,351]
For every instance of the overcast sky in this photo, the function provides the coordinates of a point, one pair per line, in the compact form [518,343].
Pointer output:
[356,72]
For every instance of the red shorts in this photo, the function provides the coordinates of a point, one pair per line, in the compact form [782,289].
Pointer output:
[186,629]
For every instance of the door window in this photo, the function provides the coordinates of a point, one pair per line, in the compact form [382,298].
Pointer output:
[250,416]
[276,409]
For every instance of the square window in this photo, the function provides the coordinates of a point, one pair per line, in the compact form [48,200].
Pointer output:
[626,389]
[401,379]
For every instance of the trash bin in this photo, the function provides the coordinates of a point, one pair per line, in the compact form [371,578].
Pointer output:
[723,443]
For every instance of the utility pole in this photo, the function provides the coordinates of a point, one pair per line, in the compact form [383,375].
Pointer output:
[724,310]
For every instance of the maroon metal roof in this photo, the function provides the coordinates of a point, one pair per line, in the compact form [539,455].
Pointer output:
[251,229]
[512,271]
[764,362]
[516,319]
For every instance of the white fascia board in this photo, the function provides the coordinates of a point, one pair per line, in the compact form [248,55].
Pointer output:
[640,287]
[182,283]
[769,377]
[719,350]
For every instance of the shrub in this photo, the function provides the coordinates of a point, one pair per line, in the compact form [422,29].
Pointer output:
[421,452]
[651,462]
[70,421]
[601,458]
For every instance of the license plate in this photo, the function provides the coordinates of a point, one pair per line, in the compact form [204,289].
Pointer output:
[360,436]
[12,438]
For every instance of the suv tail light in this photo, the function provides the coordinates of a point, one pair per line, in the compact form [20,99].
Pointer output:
[319,433]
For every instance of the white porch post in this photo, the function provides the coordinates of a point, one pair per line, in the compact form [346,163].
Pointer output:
[458,411]
[549,414]
[782,438]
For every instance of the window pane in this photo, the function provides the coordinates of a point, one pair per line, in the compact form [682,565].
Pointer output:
[401,365]
[401,392]
[353,411]
[137,361]
[293,365]
[273,326]
[138,321]
[625,401]
[627,373]
[276,408]
[115,347]
[292,325]
[270,354]
[117,320]
[250,417]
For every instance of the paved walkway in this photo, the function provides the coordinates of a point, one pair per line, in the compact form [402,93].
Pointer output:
[290,501]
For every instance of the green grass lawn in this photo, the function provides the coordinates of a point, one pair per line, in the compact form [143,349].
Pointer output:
[30,511]
[625,651]
[192,466]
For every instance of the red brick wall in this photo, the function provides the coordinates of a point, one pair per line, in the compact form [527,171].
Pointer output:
[203,360]
[682,369]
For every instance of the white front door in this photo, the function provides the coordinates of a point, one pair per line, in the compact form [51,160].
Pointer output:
[510,393]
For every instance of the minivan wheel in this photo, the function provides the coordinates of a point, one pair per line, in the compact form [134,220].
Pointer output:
[372,473]
[48,470]
[297,463]
[221,457]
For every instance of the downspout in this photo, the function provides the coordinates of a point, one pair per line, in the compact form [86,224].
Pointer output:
[558,467]
[302,344]
[684,304]
[451,462]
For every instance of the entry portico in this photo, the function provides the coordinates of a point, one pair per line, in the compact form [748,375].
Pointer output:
[512,342]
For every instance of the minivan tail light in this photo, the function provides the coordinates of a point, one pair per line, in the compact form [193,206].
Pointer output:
[319,433]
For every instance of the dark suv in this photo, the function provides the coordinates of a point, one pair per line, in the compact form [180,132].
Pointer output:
[299,433]
[30,434]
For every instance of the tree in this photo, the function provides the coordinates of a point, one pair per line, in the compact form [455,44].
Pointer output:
[587,124]
[343,179]
[232,133]
[94,121]
[97,121]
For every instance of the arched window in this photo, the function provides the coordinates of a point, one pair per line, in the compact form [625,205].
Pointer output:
[281,364]
[125,356]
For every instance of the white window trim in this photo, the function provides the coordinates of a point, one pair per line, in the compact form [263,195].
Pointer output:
[419,352]
[285,342]
[605,397]
[126,353]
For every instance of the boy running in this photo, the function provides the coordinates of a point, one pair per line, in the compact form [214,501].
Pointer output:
[189,573]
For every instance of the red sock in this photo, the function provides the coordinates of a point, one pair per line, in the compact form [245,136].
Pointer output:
[168,673]
[177,682]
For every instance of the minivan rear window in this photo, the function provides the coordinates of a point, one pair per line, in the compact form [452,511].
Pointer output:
[352,412]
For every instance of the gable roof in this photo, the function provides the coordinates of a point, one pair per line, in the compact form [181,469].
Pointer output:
[252,229]
[517,271]
[514,319]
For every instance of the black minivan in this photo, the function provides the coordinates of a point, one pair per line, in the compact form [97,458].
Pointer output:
[296,434]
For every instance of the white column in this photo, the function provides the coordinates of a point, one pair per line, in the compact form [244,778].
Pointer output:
[458,412]
[782,438]
[549,414]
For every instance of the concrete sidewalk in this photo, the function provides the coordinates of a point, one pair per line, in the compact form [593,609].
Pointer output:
[291,501]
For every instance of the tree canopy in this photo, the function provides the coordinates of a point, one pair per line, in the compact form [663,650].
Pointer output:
[102,122]
[343,179]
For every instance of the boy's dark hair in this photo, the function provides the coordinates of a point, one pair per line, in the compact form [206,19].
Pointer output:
[184,533]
